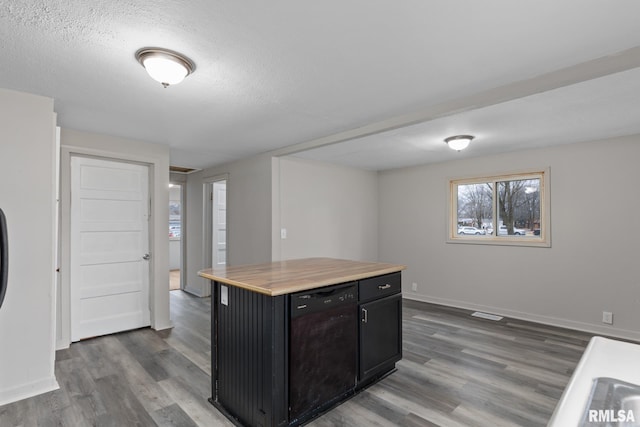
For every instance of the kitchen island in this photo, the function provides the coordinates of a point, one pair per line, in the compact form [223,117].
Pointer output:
[292,339]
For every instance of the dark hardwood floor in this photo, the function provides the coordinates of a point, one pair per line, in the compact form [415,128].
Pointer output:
[457,370]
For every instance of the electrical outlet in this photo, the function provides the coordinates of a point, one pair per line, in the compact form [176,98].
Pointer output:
[414,286]
[283,233]
[607,317]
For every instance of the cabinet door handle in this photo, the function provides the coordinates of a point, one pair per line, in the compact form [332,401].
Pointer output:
[364,315]
[382,287]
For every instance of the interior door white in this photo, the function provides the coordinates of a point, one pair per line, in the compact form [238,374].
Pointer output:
[219,223]
[109,243]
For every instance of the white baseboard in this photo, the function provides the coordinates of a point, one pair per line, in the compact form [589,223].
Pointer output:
[545,320]
[162,326]
[25,391]
[62,344]
[199,292]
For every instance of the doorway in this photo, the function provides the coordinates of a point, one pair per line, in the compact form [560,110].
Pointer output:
[176,234]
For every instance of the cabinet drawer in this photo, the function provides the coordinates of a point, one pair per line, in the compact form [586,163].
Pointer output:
[378,287]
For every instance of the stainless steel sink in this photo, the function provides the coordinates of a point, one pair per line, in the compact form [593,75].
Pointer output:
[631,403]
[613,403]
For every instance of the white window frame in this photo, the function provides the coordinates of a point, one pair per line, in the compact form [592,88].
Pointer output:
[543,240]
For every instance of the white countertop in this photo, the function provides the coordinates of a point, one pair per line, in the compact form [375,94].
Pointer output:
[603,358]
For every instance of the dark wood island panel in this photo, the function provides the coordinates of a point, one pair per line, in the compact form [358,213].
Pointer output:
[252,324]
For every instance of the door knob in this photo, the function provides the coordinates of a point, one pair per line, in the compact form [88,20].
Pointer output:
[146,257]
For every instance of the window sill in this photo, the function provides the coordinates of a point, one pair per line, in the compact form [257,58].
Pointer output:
[501,241]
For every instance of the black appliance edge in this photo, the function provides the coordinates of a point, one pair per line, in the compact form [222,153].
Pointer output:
[4,257]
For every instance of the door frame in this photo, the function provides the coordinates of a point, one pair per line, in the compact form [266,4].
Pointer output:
[158,242]
[183,228]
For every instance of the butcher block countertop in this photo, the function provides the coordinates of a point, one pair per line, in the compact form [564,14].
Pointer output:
[285,277]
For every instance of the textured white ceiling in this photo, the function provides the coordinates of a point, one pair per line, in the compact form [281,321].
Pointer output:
[595,109]
[273,74]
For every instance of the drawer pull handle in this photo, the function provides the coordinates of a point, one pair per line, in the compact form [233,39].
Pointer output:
[381,287]
[365,315]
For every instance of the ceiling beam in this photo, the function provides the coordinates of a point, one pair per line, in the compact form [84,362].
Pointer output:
[593,69]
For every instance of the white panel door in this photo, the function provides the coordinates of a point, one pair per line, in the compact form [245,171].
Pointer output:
[109,241]
[219,223]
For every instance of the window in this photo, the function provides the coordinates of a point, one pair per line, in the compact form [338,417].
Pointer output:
[174,220]
[505,210]
[175,212]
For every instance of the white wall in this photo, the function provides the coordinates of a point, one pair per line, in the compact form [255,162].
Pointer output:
[327,211]
[248,217]
[248,210]
[157,157]
[174,254]
[591,267]
[194,246]
[27,188]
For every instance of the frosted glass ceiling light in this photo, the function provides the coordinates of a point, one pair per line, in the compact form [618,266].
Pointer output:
[165,66]
[459,142]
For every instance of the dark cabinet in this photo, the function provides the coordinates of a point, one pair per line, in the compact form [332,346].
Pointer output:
[279,361]
[380,326]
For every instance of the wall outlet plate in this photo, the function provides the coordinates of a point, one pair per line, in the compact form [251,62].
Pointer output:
[224,295]
[414,286]
[607,317]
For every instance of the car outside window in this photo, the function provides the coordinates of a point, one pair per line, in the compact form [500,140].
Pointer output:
[175,213]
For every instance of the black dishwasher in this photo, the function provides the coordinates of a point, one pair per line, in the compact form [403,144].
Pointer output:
[322,348]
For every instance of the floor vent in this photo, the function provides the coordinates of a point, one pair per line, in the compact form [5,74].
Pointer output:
[486,315]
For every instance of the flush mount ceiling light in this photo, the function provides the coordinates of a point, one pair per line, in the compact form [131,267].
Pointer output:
[165,66]
[459,142]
